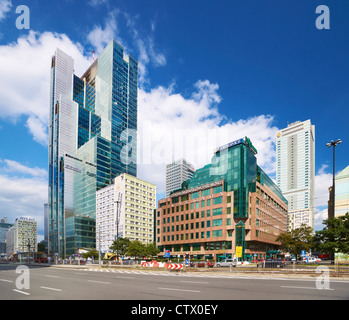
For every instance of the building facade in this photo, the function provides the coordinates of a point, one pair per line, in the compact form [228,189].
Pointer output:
[4,227]
[295,171]
[176,173]
[125,209]
[342,192]
[92,139]
[22,237]
[228,208]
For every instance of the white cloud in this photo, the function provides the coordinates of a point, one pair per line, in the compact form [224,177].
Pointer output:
[12,166]
[323,181]
[96,3]
[100,37]
[23,191]
[25,78]
[145,45]
[319,216]
[171,127]
[5,7]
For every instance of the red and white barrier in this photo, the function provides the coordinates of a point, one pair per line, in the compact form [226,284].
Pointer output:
[152,264]
[175,266]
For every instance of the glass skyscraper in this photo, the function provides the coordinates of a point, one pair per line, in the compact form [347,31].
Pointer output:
[92,139]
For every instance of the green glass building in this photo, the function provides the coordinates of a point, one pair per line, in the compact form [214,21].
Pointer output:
[228,204]
[92,140]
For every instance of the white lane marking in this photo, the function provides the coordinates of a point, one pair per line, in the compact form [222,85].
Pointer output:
[98,281]
[53,289]
[173,289]
[194,281]
[120,277]
[52,276]
[4,280]
[26,293]
[312,288]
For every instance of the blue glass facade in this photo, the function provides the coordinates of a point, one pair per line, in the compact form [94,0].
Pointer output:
[93,123]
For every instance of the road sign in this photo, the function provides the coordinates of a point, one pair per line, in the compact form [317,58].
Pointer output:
[175,266]
[238,252]
[303,253]
[167,254]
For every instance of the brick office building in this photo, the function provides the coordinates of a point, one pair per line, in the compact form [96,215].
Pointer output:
[228,208]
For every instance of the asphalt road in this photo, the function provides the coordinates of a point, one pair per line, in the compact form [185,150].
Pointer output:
[50,283]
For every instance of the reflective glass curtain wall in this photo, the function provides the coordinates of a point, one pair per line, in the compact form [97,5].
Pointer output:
[92,139]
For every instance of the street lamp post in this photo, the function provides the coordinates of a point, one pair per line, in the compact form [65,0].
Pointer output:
[334,145]
[332,214]
[99,245]
[117,202]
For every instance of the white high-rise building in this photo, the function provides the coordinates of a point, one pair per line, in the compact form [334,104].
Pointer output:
[133,201]
[295,171]
[23,236]
[177,172]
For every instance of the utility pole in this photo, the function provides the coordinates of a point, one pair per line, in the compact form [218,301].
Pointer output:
[28,245]
[118,203]
[99,239]
[334,145]
[332,214]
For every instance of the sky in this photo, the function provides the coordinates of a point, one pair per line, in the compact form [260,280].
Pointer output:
[210,71]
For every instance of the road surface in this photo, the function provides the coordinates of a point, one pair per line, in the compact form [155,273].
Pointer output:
[50,283]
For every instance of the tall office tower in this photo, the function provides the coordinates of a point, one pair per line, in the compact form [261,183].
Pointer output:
[125,209]
[176,173]
[23,236]
[295,171]
[92,139]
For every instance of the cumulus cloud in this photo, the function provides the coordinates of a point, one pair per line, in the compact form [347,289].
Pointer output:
[96,3]
[23,191]
[5,7]
[172,126]
[100,37]
[25,78]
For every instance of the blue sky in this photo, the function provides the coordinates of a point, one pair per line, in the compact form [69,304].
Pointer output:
[250,67]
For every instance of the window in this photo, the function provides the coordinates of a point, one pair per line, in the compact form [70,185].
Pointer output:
[217,200]
[216,233]
[217,189]
[195,195]
[217,222]
[206,192]
[217,211]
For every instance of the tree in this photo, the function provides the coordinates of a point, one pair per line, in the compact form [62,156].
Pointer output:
[151,249]
[334,237]
[297,240]
[92,253]
[136,249]
[120,246]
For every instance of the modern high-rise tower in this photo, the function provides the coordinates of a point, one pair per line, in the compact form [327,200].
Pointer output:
[295,171]
[176,173]
[92,139]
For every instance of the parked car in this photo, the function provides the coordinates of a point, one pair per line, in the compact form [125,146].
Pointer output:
[226,263]
[204,264]
[311,259]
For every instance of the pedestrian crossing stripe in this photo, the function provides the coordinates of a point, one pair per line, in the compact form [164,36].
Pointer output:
[161,273]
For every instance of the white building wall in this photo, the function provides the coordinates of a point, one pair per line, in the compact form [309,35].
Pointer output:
[295,171]
[136,211]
